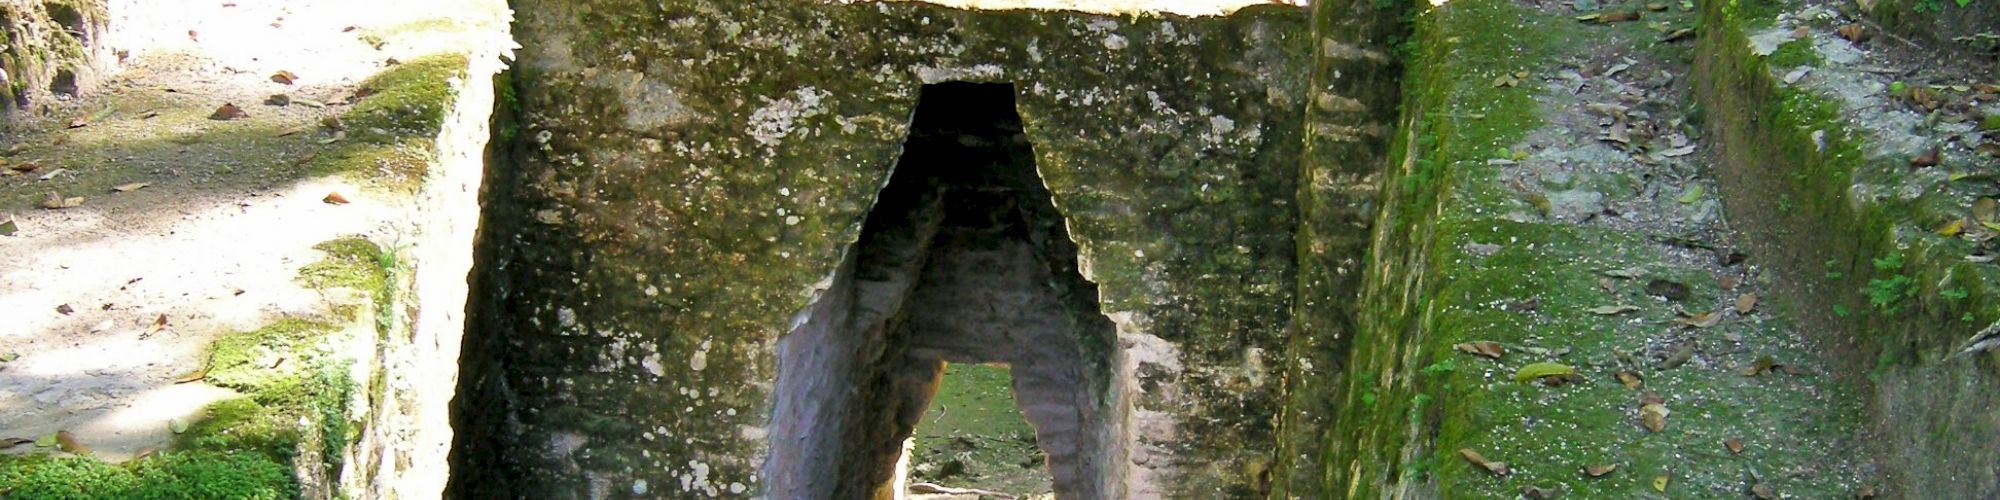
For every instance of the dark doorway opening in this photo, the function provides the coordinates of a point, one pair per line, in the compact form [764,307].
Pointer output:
[964,259]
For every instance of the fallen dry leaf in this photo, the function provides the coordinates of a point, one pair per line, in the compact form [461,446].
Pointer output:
[158,325]
[1653,416]
[1599,470]
[1702,320]
[130,187]
[1952,229]
[1614,17]
[57,202]
[65,309]
[1612,310]
[1678,35]
[1927,159]
[68,442]
[228,111]
[24,167]
[1681,355]
[1735,445]
[1483,348]
[1660,483]
[1853,33]
[1986,210]
[1496,468]
[145,453]
[193,377]
[9,227]
[6,443]
[284,77]
[1746,303]
[334,199]
[1631,380]
[1729,282]
[1539,371]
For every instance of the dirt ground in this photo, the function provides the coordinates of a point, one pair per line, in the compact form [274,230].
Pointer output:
[107,303]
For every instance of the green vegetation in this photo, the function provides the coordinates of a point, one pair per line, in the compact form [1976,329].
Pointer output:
[1887,294]
[178,475]
[392,132]
[974,435]
[245,447]
[1795,53]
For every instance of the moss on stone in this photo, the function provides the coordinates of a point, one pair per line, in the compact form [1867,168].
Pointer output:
[176,475]
[392,132]
[1922,406]
[723,155]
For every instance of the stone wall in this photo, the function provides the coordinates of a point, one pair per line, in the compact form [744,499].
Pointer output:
[681,180]
[49,49]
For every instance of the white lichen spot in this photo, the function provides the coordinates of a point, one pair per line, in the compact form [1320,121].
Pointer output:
[699,361]
[1114,42]
[566,317]
[779,117]
[737,488]
[639,487]
[1034,51]
[1221,124]
[652,365]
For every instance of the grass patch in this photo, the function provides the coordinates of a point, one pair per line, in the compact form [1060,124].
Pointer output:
[183,475]
[974,435]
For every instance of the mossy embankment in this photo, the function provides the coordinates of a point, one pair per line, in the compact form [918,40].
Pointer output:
[1838,209]
[288,430]
[1466,249]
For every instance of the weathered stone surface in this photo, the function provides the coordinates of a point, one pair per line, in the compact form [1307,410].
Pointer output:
[48,49]
[1825,183]
[681,180]
[1355,94]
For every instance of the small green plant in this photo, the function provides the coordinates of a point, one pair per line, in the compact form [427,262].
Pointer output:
[1887,294]
[1840,311]
[1440,368]
[1954,294]
[1891,263]
[1368,399]
[1967,317]
[1784,203]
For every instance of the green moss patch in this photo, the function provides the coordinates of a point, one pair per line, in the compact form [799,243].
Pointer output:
[392,131]
[246,447]
[178,475]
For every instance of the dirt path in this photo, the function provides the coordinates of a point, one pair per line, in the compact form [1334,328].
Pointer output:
[228,214]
